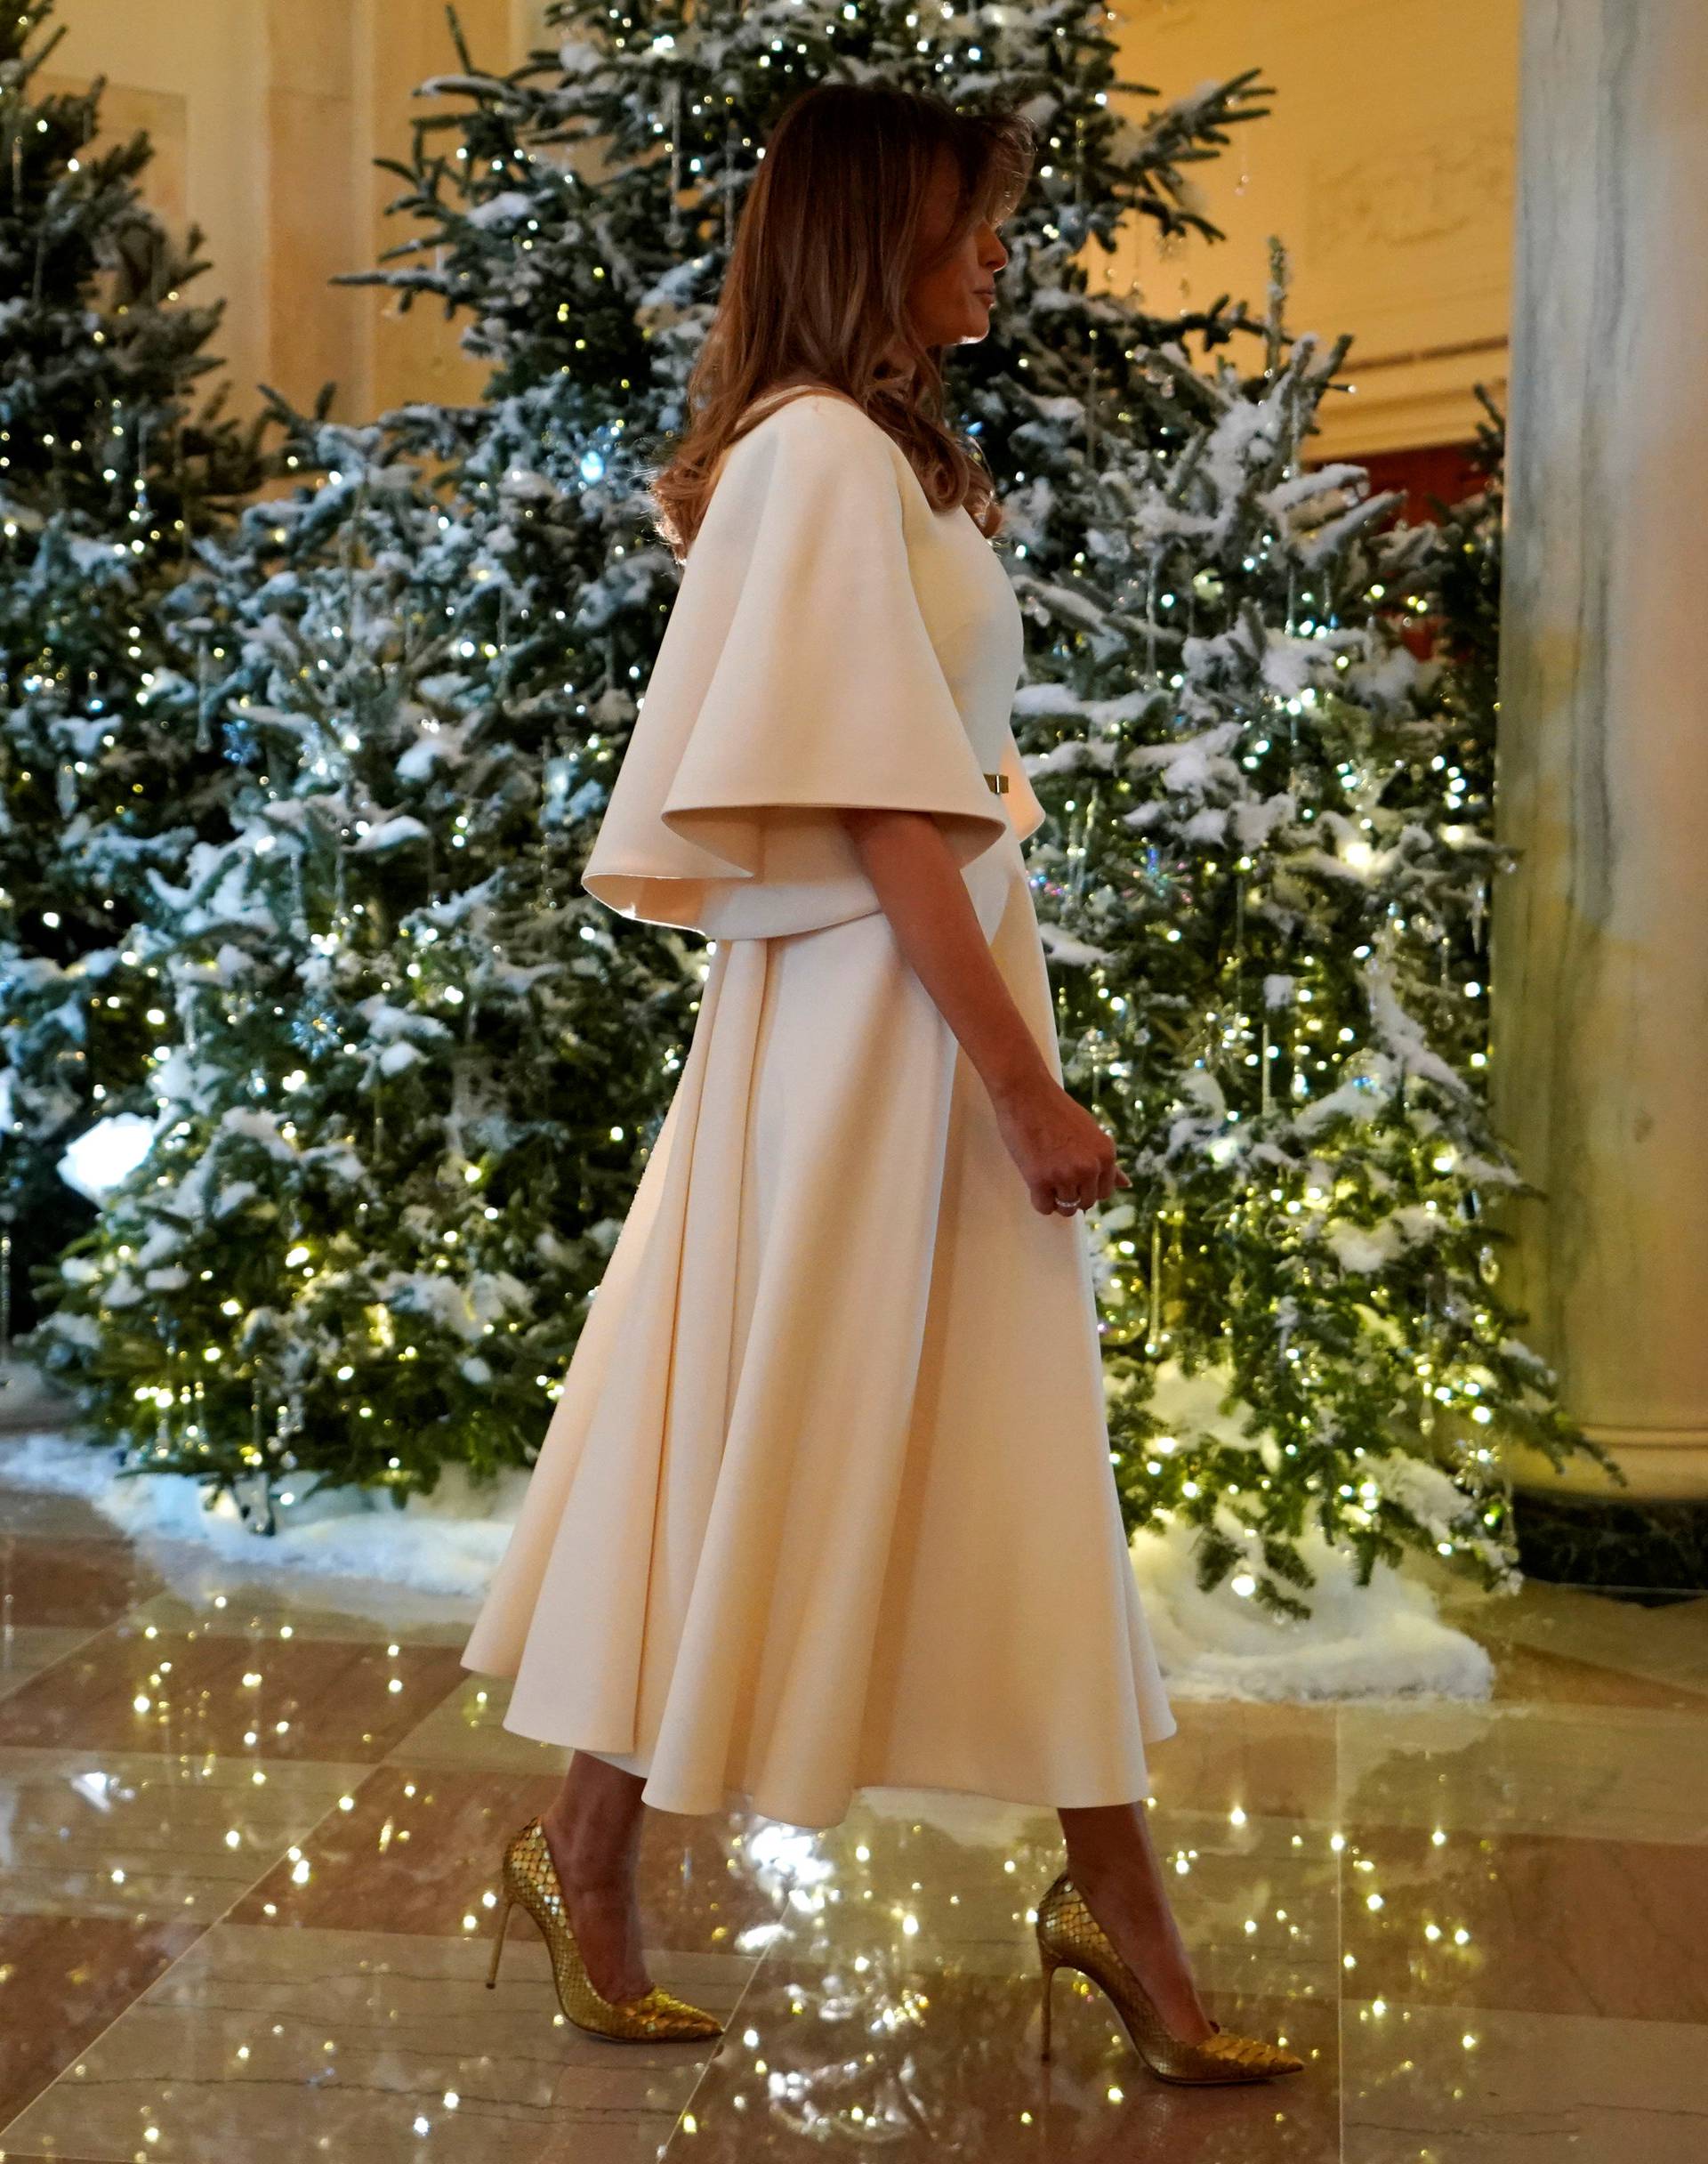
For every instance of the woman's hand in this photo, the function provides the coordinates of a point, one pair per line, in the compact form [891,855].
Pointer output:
[1059,1149]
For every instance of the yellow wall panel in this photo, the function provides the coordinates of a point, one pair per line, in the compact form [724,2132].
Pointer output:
[1386,165]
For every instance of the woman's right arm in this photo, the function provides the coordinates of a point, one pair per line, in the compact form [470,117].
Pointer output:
[1058,1146]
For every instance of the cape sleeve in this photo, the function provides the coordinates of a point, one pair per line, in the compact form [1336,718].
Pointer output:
[796,674]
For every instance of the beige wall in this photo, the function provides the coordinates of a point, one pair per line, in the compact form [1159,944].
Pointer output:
[267,117]
[1386,164]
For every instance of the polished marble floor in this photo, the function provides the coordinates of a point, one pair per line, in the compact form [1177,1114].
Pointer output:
[249,1851]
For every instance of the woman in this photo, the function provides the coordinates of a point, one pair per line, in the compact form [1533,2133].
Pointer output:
[825,1500]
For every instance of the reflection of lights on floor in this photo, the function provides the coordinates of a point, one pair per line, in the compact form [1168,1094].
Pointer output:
[821,1938]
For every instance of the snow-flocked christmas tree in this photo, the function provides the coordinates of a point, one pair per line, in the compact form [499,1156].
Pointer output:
[396,1132]
[425,664]
[110,464]
[1263,899]
[1266,887]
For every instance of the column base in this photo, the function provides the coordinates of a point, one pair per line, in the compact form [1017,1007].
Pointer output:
[1661,1464]
[1646,1549]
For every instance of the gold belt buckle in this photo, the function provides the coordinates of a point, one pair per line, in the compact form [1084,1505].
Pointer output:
[999,782]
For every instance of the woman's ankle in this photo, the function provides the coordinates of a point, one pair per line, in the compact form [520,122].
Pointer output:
[591,1859]
[1123,1884]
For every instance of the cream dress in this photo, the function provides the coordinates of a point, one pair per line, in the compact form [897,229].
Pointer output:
[825,1501]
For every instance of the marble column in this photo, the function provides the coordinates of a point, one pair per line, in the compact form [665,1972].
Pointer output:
[1600,938]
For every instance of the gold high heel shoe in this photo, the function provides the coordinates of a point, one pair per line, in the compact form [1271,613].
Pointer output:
[531,1881]
[1070,1936]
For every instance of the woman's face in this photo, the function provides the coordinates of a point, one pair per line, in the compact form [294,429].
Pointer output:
[950,303]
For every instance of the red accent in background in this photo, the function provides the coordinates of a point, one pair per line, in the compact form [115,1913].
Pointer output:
[1433,471]
[1442,470]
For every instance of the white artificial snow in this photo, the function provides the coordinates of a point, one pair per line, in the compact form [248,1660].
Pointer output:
[1064,948]
[1382,1640]
[1362,1248]
[1378,1641]
[104,1154]
[446,1543]
[1375,1641]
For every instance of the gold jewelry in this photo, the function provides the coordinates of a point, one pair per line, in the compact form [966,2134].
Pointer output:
[1070,1936]
[531,1881]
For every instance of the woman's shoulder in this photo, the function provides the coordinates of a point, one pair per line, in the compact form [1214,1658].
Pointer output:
[813,414]
[809,453]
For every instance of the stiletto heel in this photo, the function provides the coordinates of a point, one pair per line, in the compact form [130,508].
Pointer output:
[531,1881]
[498,1945]
[1070,1936]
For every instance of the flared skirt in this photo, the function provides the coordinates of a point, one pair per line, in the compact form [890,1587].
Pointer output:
[825,1501]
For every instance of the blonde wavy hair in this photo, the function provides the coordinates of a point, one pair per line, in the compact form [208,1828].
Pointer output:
[829,239]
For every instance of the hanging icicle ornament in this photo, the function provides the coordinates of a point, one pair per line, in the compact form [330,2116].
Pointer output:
[1150,621]
[140,506]
[1153,1303]
[287,1428]
[1079,852]
[1238,955]
[203,699]
[673,123]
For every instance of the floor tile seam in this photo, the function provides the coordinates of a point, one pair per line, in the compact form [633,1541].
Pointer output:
[70,1653]
[396,1753]
[76,1652]
[1368,1827]
[213,1923]
[81,1649]
[301,1634]
[1414,1708]
[1522,1636]
[137,1619]
[277,1769]
[1409,2003]
[117,1538]
[767,1954]
[1657,1676]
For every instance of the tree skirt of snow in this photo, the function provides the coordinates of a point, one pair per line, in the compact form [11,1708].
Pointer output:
[1361,1642]
[1382,1640]
[446,1543]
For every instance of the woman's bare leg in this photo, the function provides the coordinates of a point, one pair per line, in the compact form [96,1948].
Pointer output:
[1112,1862]
[593,1829]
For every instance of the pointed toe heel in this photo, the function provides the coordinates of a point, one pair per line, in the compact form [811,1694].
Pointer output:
[1070,1936]
[530,1882]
